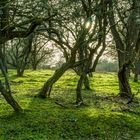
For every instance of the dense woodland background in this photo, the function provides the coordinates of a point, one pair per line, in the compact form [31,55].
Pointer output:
[69,69]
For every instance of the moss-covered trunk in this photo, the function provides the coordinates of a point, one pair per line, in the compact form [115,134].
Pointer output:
[9,98]
[79,99]
[125,90]
[6,90]
[126,49]
[46,89]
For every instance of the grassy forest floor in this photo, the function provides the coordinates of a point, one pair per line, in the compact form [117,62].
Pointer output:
[105,116]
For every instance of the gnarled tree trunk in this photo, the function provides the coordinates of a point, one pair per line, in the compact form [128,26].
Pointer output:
[79,99]
[6,90]
[123,79]
[126,53]
[9,98]
[46,89]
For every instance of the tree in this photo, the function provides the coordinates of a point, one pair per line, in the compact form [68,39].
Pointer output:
[18,53]
[136,70]
[14,24]
[63,40]
[88,51]
[77,37]
[6,89]
[126,39]
[41,50]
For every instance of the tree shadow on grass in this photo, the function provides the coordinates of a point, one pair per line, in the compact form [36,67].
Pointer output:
[46,120]
[43,119]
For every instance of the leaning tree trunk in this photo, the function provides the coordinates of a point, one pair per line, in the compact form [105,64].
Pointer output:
[9,98]
[46,89]
[6,90]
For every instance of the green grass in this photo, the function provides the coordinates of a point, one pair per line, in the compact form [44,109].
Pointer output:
[105,116]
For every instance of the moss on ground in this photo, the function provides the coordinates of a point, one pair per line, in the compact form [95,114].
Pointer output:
[105,117]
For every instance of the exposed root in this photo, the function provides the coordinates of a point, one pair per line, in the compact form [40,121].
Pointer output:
[60,104]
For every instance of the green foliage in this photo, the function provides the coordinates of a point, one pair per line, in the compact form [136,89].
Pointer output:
[105,116]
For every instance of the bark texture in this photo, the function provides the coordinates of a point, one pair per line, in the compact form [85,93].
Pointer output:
[126,92]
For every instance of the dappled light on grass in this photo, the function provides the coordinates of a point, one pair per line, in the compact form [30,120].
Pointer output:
[104,115]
